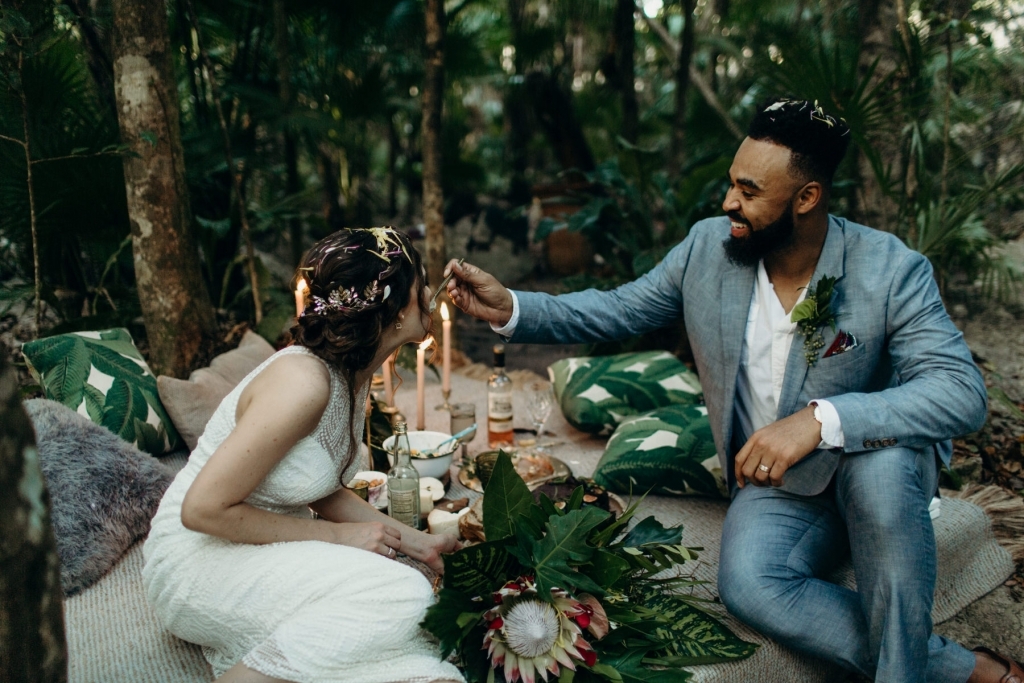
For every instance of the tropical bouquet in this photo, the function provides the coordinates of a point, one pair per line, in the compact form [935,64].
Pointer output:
[566,593]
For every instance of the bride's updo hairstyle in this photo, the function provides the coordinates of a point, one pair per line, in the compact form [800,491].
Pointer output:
[359,281]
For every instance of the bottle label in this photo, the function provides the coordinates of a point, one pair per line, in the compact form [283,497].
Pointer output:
[403,507]
[499,406]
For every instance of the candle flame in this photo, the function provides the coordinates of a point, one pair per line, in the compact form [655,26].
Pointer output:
[444,311]
[301,287]
[425,344]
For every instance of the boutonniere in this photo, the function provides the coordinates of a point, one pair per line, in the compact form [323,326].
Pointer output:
[812,314]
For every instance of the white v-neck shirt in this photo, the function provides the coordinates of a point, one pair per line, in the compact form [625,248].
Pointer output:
[766,344]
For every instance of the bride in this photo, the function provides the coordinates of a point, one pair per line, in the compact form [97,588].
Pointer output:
[234,560]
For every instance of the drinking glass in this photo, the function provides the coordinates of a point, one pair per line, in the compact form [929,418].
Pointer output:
[463,415]
[540,400]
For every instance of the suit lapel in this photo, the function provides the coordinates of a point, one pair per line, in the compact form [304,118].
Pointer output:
[830,263]
[737,290]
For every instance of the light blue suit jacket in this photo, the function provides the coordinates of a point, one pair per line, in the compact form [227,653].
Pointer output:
[910,381]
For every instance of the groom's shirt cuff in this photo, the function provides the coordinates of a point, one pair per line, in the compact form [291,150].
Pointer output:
[509,328]
[831,428]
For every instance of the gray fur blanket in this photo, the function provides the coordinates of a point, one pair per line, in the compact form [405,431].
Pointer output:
[103,491]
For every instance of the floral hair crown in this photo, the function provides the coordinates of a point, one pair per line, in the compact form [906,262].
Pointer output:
[389,246]
[816,113]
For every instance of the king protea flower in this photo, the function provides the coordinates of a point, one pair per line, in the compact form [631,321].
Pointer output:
[529,636]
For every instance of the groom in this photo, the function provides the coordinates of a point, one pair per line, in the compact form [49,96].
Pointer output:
[831,439]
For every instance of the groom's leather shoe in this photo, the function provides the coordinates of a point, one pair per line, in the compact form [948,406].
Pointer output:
[1014,670]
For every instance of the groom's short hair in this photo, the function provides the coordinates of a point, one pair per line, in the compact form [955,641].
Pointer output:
[817,139]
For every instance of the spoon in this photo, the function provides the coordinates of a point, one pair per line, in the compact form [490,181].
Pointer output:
[453,437]
[441,288]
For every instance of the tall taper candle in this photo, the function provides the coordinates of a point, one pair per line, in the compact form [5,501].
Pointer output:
[421,422]
[300,296]
[389,387]
[446,349]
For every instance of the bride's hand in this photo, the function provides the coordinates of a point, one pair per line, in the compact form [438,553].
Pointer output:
[428,548]
[373,536]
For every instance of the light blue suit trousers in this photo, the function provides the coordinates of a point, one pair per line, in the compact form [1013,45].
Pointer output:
[905,389]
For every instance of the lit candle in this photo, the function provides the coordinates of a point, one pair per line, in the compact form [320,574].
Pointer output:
[300,296]
[446,349]
[389,387]
[421,423]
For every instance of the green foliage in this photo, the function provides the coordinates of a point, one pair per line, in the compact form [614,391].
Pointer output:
[556,554]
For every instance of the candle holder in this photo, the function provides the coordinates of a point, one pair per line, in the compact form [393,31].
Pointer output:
[446,393]
[392,413]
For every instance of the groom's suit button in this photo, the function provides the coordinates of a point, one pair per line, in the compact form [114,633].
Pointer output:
[867,443]
[877,443]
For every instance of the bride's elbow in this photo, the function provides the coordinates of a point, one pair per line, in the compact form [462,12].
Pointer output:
[195,516]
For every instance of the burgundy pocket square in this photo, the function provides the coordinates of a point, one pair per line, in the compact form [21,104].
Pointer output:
[843,342]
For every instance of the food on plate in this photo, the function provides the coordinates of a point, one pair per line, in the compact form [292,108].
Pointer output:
[560,491]
[471,524]
[442,522]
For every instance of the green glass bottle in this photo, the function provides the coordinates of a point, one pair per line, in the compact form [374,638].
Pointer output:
[404,482]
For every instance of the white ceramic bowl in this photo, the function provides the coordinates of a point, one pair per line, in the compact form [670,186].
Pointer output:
[435,466]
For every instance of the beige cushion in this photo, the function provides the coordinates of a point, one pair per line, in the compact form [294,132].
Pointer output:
[191,403]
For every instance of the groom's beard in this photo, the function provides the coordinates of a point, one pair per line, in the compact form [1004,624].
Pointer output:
[776,236]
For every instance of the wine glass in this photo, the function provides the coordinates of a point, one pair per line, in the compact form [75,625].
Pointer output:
[540,400]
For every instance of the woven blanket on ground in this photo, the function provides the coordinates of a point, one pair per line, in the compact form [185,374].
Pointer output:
[113,636]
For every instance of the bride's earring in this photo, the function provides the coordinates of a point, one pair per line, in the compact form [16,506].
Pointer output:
[398,325]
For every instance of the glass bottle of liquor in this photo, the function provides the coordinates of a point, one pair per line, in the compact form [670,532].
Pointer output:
[499,403]
[404,482]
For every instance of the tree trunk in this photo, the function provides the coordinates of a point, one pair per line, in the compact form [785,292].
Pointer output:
[32,645]
[433,102]
[175,303]
[871,205]
[394,148]
[625,45]
[517,111]
[291,152]
[683,60]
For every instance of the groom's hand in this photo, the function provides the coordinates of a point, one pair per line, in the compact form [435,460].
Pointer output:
[479,294]
[778,447]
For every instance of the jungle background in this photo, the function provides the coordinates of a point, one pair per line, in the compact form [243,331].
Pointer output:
[165,163]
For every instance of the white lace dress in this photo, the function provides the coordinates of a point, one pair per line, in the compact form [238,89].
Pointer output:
[303,611]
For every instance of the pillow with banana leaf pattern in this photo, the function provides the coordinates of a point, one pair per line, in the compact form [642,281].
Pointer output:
[103,376]
[669,451]
[597,393]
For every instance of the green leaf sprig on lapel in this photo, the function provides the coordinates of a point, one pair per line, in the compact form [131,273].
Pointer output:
[573,592]
[814,313]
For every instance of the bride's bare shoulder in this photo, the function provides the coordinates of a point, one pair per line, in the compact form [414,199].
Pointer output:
[295,377]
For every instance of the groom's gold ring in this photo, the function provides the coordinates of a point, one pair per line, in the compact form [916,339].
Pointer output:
[764,468]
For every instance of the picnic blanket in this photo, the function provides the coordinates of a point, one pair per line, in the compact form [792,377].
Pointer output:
[114,636]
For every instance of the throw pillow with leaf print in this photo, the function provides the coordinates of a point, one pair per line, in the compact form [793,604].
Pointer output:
[103,376]
[597,393]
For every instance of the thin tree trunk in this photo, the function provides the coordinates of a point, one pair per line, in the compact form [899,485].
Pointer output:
[234,169]
[99,60]
[291,152]
[32,648]
[682,87]
[871,204]
[394,145]
[625,46]
[433,102]
[516,110]
[696,78]
[175,303]
[33,222]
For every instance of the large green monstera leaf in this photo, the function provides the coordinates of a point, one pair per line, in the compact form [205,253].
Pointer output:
[667,451]
[104,377]
[598,393]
